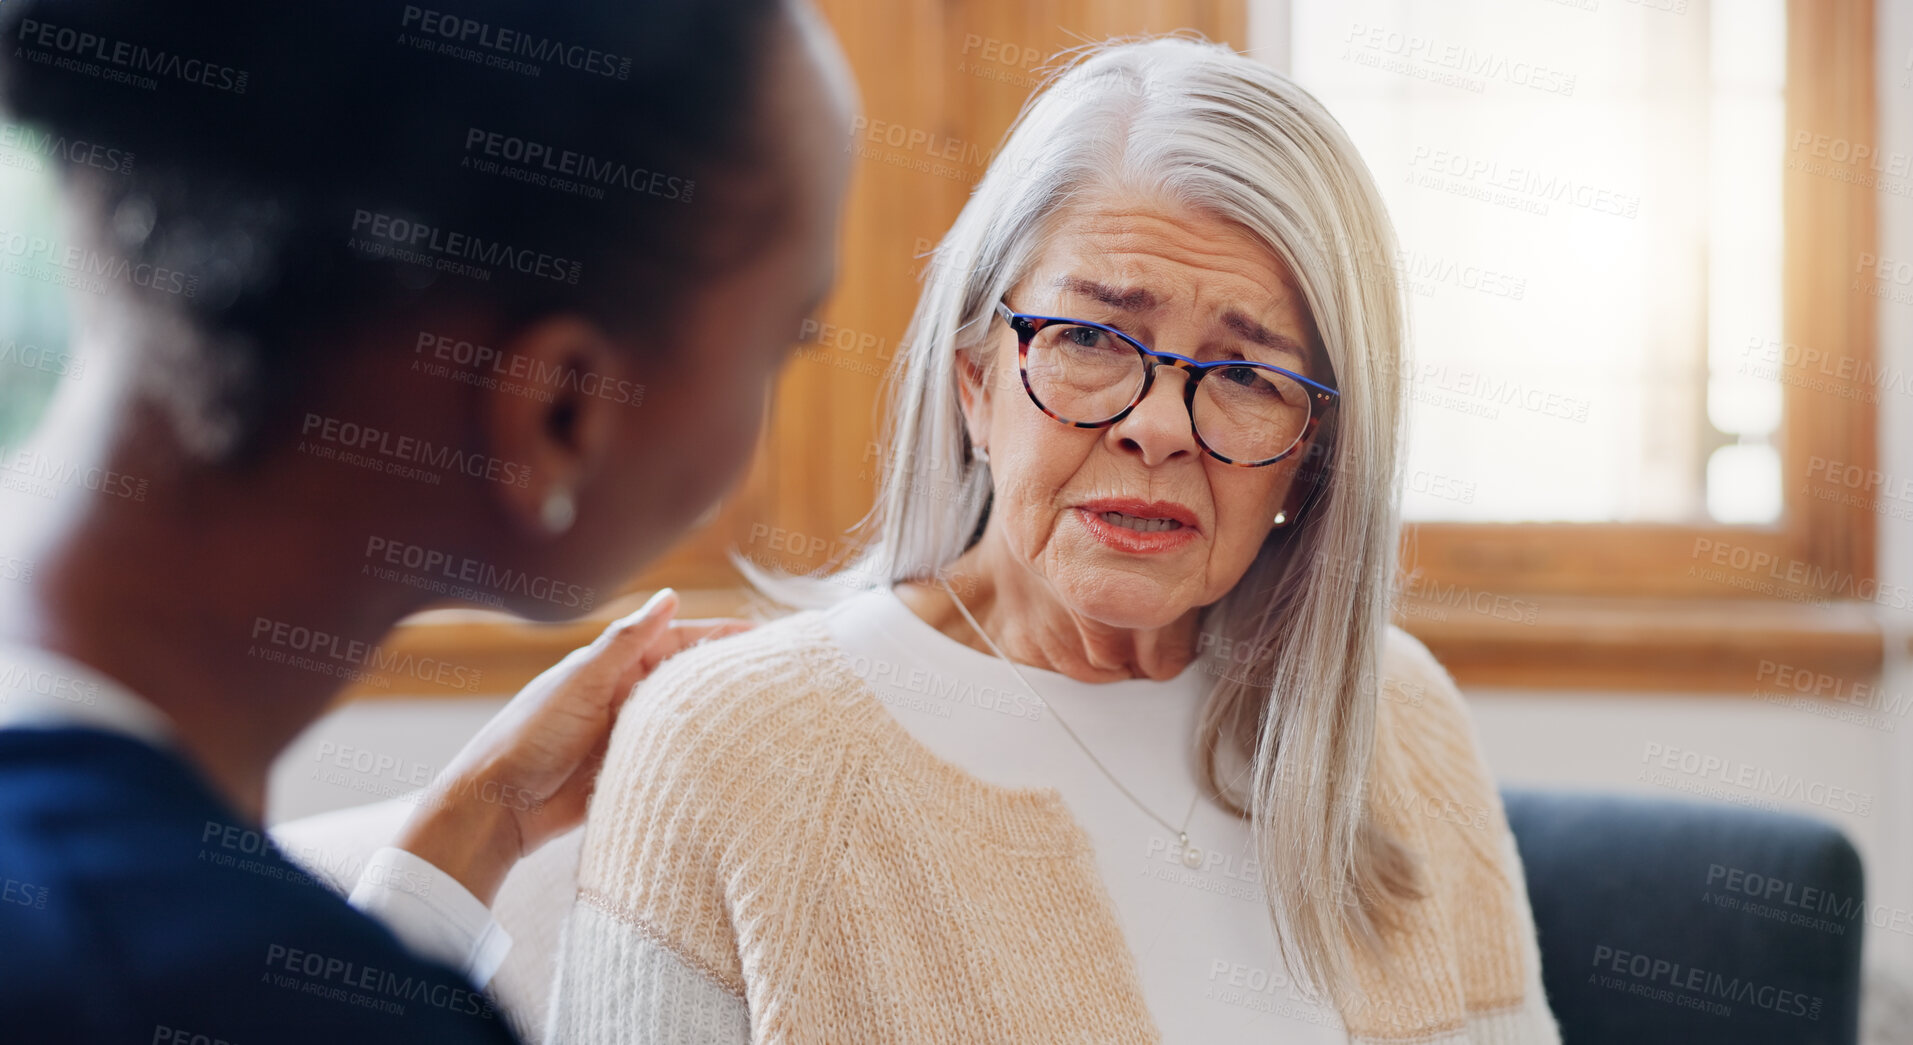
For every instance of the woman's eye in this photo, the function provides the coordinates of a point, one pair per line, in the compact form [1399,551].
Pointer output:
[1084,337]
[1253,380]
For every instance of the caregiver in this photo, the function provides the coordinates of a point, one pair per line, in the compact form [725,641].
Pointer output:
[319,212]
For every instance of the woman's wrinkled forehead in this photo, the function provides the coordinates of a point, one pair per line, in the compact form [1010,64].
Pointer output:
[1125,256]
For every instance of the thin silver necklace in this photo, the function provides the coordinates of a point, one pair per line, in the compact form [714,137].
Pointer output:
[1191,856]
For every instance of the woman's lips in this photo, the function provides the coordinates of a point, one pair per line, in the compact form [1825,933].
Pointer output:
[1141,510]
[1139,534]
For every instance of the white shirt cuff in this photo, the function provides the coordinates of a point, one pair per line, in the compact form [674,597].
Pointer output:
[431,913]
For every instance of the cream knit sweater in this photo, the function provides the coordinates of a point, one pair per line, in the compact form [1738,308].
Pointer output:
[771,857]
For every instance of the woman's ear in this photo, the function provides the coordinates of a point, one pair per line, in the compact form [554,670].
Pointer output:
[973,372]
[1301,485]
[548,430]
[1311,476]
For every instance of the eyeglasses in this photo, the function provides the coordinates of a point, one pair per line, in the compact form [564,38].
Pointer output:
[1088,375]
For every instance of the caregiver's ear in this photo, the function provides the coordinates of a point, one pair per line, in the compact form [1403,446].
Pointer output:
[549,434]
[973,374]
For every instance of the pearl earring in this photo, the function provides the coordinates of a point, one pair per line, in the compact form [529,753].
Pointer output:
[1281,518]
[982,455]
[559,511]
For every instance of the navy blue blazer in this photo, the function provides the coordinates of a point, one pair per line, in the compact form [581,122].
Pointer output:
[137,907]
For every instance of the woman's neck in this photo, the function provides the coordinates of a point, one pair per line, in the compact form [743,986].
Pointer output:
[1033,626]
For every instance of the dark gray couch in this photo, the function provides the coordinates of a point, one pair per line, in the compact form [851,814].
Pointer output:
[1677,923]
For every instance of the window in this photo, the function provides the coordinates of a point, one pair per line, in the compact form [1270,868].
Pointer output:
[34,353]
[1643,371]
[1588,203]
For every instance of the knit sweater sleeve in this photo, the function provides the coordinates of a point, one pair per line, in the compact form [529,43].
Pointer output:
[1435,789]
[709,796]
[621,983]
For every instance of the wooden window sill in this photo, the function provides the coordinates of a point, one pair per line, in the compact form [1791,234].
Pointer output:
[1695,645]
[1668,645]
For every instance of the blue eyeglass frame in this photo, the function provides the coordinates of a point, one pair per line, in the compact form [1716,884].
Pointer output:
[1026,326]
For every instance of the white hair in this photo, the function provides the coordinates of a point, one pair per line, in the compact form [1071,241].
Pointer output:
[1195,124]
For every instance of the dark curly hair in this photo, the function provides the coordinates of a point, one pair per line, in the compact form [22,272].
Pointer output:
[285,176]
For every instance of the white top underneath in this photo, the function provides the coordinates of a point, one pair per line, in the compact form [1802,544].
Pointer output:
[1201,937]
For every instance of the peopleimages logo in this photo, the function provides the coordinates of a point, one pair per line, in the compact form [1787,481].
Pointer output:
[24,679]
[366,986]
[405,450]
[564,169]
[1757,570]
[1693,987]
[278,642]
[30,470]
[30,144]
[458,575]
[1525,184]
[1743,782]
[121,60]
[84,268]
[470,32]
[415,241]
[1425,58]
[56,361]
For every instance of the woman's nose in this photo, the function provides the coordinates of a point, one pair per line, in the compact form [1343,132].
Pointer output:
[1159,428]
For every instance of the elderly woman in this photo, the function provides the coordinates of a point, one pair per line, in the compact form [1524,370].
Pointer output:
[1124,750]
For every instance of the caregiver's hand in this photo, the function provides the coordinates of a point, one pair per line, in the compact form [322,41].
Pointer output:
[526,776]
